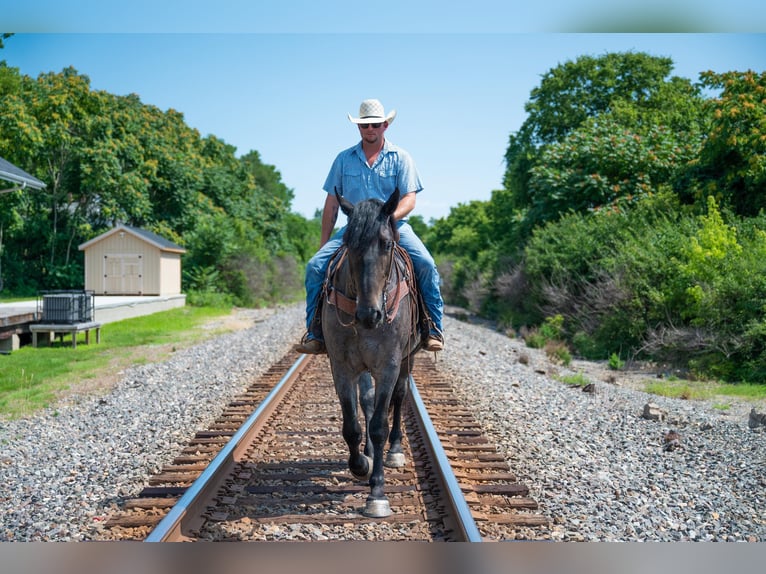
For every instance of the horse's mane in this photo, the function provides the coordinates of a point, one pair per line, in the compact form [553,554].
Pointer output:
[364,224]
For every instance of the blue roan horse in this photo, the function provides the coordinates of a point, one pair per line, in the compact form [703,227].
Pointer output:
[369,320]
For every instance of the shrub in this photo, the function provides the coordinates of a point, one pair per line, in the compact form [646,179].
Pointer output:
[533,338]
[615,362]
[558,352]
[586,346]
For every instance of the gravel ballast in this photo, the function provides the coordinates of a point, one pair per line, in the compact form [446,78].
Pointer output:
[596,466]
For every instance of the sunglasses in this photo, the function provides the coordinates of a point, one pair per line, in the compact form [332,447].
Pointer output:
[365,126]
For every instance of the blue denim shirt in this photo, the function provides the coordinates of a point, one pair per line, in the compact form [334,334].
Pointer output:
[357,181]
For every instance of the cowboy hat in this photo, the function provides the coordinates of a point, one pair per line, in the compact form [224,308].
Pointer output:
[371,112]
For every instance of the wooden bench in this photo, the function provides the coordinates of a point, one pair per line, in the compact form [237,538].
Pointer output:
[62,328]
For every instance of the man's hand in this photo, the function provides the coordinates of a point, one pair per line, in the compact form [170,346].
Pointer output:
[406,205]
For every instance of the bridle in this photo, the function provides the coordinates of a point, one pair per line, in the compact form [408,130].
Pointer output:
[400,281]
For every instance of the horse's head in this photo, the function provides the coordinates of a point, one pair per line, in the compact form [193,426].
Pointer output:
[370,236]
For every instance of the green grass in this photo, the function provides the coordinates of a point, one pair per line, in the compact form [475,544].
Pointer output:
[706,390]
[577,380]
[720,394]
[33,378]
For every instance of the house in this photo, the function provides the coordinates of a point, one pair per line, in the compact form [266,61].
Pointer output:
[20,180]
[132,261]
[17,176]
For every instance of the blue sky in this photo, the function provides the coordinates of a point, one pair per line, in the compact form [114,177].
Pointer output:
[286,93]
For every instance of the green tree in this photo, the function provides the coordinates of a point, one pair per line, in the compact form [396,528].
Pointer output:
[581,105]
[465,232]
[588,87]
[109,159]
[603,165]
[732,163]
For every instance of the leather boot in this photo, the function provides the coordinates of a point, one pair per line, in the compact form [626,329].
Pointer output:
[311,347]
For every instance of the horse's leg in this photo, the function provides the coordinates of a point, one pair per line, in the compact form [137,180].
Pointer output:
[377,505]
[367,401]
[358,464]
[395,457]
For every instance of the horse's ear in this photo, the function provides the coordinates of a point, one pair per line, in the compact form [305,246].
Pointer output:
[345,205]
[390,206]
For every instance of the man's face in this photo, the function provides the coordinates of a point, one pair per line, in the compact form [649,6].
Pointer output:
[371,133]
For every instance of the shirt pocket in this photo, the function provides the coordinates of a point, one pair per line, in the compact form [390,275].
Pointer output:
[387,181]
[352,181]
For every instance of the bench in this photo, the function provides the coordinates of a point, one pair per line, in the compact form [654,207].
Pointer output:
[62,328]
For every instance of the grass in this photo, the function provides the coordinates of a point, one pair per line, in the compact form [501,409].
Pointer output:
[720,394]
[577,380]
[33,378]
[707,390]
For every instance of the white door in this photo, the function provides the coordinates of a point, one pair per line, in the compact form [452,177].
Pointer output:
[123,274]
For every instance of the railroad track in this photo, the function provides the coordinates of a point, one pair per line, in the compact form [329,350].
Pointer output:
[273,467]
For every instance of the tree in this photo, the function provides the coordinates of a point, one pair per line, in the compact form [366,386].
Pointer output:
[108,159]
[732,162]
[603,165]
[573,92]
[581,107]
[466,232]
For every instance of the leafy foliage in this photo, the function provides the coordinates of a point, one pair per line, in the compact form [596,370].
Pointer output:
[110,159]
[631,216]
[599,129]
[732,163]
[604,166]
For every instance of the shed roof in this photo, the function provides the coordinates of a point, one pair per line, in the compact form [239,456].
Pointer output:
[149,237]
[10,172]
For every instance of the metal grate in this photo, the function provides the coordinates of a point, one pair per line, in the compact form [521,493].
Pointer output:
[65,306]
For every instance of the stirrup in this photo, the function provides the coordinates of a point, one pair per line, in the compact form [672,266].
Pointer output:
[434,343]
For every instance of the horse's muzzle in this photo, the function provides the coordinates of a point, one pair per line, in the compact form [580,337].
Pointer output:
[369,317]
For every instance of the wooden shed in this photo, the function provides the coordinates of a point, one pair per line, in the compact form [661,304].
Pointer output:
[132,261]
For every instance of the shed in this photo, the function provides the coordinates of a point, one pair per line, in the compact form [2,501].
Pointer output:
[132,261]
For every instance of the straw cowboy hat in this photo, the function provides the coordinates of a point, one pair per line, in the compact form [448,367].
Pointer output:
[371,112]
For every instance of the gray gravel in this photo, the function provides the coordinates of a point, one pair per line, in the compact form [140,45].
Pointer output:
[592,462]
[63,470]
[596,465]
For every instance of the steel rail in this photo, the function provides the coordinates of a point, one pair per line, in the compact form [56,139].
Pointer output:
[206,485]
[464,521]
[195,499]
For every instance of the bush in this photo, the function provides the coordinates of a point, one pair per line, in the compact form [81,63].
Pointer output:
[656,281]
[615,362]
[533,338]
[209,299]
[558,352]
[586,346]
[551,330]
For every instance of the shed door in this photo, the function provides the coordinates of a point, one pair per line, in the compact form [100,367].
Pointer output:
[123,274]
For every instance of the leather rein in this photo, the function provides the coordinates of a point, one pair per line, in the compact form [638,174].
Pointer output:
[399,284]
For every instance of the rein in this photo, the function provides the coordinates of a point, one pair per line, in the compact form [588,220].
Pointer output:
[400,283]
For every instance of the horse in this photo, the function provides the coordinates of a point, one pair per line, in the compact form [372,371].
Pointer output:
[370,324]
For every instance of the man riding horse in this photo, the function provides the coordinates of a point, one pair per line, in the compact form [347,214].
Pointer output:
[372,169]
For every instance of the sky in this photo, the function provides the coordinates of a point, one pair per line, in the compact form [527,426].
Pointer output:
[262,80]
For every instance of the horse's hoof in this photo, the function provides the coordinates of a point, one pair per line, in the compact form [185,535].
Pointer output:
[394,460]
[377,509]
[363,476]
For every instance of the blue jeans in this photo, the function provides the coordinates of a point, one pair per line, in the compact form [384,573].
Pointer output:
[424,265]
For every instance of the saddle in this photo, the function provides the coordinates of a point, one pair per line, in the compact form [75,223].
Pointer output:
[401,282]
